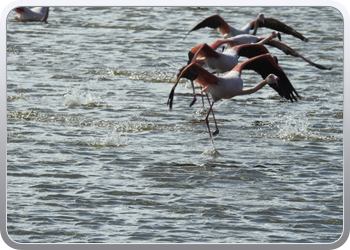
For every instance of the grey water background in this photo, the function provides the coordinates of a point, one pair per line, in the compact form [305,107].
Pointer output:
[94,155]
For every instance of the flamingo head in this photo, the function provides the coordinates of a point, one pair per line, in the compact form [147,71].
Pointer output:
[272,79]
[275,34]
[261,18]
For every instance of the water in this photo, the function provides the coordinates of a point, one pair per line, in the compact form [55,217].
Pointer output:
[95,155]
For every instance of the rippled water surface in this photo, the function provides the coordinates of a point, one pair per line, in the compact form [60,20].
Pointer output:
[95,154]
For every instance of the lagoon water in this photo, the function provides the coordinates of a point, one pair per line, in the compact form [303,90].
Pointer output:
[94,155]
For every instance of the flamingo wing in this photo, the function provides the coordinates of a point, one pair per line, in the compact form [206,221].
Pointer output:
[279,26]
[214,22]
[265,65]
[193,72]
[250,50]
[46,15]
[289,51]
[202,50]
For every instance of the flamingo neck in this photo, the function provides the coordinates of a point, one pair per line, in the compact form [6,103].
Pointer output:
[253,89]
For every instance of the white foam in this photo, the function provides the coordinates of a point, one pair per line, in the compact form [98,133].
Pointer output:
[293,126]
[78,97]
[112,139]
[212,151]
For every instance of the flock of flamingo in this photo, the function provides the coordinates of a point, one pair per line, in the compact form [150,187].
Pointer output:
[236,43]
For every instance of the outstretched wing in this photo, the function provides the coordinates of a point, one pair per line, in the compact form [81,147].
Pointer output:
[289,51]
[193,72]
[201,50]
[279,26]
[265,65]
[214,22]
[46,15]
[250,50]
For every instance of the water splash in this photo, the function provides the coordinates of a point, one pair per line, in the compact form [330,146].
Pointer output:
[294,126]
[112,139]
[212,151]
[78,97]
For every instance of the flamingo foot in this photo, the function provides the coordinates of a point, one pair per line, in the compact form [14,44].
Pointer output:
[193,101]
[216,132]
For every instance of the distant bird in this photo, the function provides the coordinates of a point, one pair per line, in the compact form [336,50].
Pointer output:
[217,22]
[231,84]
[34,14]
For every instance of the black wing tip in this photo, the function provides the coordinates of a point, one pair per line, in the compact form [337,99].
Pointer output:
[319,66]
[170,99]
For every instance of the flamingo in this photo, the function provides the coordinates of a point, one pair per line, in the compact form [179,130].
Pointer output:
[225,61]
[215,60]
[231,84]
[33,14]
[217,22]
[221,62]
[247,38]
[204,54]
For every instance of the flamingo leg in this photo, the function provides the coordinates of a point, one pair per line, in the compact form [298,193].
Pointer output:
[194,95]
[203,98]
[212,111]
[207,122]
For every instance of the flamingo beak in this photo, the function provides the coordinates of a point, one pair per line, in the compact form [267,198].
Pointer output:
[279,36]
[261,18]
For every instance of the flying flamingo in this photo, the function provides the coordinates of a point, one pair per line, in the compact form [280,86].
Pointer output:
[217,22]
[231,84]
[33,14]
[226,60]
[204,54]
[221,62]
[248,38]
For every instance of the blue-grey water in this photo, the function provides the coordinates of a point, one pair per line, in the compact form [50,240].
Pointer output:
[95,155]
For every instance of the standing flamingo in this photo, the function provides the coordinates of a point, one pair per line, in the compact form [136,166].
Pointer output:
[231,84]
[33,14]
[217,22]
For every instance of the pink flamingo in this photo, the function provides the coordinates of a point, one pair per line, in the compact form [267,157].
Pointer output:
[33,14]
[231,84]
[217,22]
